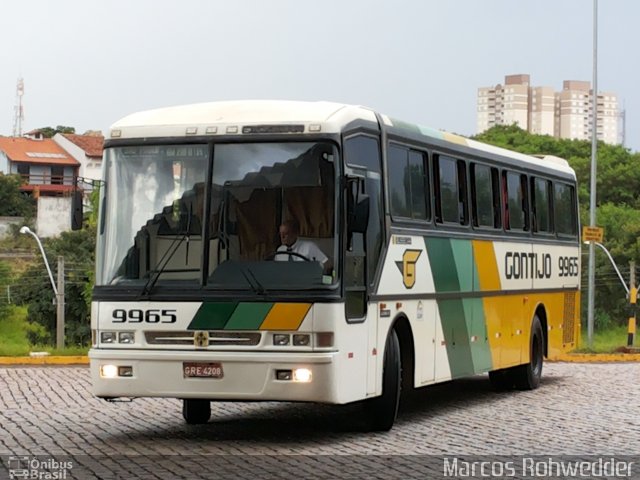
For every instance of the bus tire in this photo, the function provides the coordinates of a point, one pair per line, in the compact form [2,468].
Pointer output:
[527,376]
[196,411]
[381,412]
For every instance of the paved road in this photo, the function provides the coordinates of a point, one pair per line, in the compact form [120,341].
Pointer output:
[580,409]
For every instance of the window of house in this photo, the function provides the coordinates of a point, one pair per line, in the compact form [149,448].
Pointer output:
[23,169]
[57,175]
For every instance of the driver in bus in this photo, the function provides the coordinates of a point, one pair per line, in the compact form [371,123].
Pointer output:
[296,249]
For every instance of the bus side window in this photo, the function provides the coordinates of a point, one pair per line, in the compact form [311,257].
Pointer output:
[524,188]
[564,207]
[541,205]
[450,182]
[516,201]
[463,207]
[485,196]
[505,202]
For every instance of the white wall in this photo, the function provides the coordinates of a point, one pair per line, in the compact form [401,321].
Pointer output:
[54,216]
[4,163]
[89,167]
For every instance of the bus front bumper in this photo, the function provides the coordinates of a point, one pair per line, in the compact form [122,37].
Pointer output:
[245,375]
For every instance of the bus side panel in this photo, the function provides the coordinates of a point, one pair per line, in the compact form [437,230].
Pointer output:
[485,300]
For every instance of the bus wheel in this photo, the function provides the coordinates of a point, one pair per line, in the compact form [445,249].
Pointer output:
[501,380]
[196,411]
[527,376]
[382,411]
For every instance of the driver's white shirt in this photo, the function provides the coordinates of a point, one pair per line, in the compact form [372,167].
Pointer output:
[304,247]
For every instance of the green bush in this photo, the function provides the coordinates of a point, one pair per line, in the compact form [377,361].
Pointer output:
[37,333]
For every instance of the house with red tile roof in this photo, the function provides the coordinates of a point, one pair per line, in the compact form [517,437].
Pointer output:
[86,149]
[45,166]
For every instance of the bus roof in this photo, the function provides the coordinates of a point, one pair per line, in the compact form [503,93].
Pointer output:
[229,117]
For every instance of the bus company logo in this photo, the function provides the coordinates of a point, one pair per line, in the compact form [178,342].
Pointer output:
[201,339]
[407,267]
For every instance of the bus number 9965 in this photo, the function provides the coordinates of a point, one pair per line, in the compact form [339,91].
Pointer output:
[568,266]
[121,315]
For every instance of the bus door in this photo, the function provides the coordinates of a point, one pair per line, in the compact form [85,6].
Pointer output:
[364,239]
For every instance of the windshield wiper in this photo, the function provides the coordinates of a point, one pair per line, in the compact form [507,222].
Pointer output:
[256,286]
[154,275]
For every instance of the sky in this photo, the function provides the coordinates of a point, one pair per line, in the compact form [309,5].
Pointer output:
[87,63]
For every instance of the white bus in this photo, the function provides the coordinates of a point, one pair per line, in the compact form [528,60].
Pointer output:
[444,258]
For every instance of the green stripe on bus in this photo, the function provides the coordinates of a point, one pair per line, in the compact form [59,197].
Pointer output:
[445,275]
[454,327]
[463,258]
[463,322]
[212,316]
[478,336]
[248,316]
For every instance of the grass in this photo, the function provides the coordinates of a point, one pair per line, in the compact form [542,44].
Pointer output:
[14,341]
[605,341]
[13,333]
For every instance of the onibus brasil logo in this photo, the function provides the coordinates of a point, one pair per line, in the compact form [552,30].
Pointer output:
[35,468]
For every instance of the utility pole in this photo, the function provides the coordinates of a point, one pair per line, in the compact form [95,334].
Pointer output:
[60,305]
[633,294]
[591,294]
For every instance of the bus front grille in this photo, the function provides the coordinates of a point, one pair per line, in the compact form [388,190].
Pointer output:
[215,338]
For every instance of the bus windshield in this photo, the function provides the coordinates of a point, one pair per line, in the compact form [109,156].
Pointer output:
[157,230]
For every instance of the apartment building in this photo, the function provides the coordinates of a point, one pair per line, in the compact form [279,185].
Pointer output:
[541,110]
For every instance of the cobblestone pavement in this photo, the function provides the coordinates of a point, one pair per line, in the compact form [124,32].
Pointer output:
[580,409]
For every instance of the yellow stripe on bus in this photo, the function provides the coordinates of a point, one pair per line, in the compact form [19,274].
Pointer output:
[452,137]
[285,316]
[485,258]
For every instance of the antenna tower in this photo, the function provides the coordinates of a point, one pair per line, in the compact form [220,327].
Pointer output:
[18,116]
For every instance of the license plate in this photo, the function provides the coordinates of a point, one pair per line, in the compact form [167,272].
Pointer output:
[202,370]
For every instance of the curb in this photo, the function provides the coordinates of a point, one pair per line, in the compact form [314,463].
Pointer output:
[48,360]
[596,357]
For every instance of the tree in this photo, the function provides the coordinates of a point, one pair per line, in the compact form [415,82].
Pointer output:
[14,203]
[48,132]
[35,291]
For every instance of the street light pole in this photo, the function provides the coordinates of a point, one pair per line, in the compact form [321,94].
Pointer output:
[592,196]
[59,294]
[613,263]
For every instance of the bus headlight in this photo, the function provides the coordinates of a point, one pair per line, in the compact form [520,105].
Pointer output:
[107,337]
[302,375]
[301,340]
[281,339]
[126,337]
[108,371]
